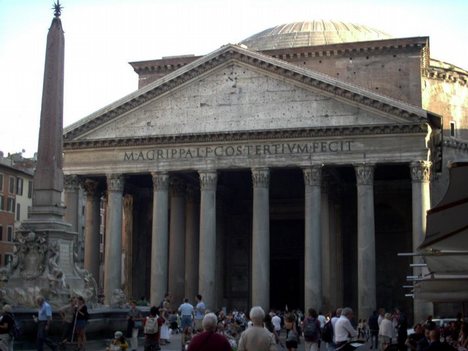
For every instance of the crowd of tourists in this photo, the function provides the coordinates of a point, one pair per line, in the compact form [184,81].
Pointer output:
[203,330]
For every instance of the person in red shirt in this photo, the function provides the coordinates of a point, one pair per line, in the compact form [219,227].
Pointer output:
[152,338]
[209,340]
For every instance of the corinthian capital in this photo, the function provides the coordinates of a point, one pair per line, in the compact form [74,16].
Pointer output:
[177,187]
[208,180]
[313,175]
[420,171]
[72,182]
[91,187]
[260,177]
[160,180]
[364,174]
[115,182]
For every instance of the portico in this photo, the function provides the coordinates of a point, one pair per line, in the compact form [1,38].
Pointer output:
[299,161]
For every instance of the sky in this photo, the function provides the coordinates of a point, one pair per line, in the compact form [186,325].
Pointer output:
[103,36]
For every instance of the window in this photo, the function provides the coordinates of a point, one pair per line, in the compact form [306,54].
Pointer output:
[452,128]
[1,233]
[2,203]
[10,233]
[11,204]
[1,182]
[30,189]
[18,212]
[12,185]
[7,259]
[19,186]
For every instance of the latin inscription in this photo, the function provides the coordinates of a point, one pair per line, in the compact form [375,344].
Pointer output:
[238,150]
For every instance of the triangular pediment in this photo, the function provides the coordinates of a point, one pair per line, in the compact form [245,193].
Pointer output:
[237,90]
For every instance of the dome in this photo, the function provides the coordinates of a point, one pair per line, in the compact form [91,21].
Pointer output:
[311,33]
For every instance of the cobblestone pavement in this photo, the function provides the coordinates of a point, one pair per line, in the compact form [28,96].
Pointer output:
[175,345]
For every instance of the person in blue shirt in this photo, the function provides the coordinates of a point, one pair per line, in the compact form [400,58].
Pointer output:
[43,319]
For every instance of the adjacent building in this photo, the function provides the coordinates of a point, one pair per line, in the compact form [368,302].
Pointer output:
[290,169]
[16,174]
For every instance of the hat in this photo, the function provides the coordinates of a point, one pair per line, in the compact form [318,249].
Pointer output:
[118,334]
[7,308]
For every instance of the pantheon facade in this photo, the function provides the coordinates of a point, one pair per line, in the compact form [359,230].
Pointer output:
[288,170]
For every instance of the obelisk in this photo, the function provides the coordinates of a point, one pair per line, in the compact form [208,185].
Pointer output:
[43,261]
[47,205]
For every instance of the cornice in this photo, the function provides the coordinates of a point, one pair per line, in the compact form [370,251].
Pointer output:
[355,48]
[230,53]
[445,75]
[456,144]
[385,129]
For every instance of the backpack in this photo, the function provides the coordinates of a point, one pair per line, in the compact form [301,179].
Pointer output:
[327,332]
[151,325]
[311,332]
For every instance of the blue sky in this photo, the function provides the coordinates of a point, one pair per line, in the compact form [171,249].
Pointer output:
[102,36]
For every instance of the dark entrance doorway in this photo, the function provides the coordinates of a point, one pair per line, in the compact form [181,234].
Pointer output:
[286,264]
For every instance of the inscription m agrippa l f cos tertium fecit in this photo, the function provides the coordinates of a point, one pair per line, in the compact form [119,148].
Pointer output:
[247,150]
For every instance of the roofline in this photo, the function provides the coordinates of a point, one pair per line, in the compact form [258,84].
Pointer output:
[314,50]
[227,53]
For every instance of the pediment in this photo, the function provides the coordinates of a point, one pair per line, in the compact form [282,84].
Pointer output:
[236,90]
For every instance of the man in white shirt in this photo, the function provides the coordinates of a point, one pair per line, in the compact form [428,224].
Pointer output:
[186,313]
[276,321]
[344,330]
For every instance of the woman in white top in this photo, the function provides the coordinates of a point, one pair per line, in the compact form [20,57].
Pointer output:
[386,332]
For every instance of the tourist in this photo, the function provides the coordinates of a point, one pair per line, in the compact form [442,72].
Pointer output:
[186,314]
[134,324]
[82,317]
[67,313]
[43,319]
[374,330]
[401,329]
[164,313]
[292,335]
[152,330]
[118,343]
[311,331]
[257,338]
[199,313]
[7,323]
[413,339]
[344,330]
[386,332]
[186,337]
[209,340]
[276,320]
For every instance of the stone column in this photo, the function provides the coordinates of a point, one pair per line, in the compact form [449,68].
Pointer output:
[192,227]
[207,265]
[177,241]
[159,238]
[313,238]
[127,242]
[72,201]
[261,238]
[113,240]
[420,178]
[366,240]
[91,235]
[327,246]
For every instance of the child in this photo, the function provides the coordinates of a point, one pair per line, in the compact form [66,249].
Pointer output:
[118,343]
[186,338]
